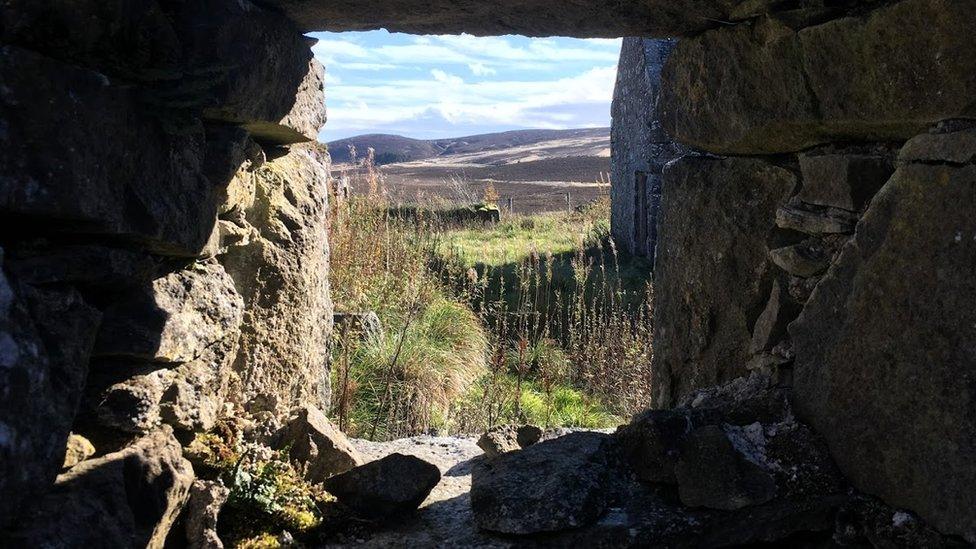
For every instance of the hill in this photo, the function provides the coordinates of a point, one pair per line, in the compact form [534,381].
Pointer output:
[391,149]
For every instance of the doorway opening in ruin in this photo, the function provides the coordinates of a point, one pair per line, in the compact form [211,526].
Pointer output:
[514,226]
[640,213]
[489,292]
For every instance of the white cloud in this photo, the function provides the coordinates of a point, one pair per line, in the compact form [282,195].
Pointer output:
[445,78]
[480,69]
[412,85]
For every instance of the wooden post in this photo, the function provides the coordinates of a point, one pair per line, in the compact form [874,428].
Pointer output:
[569,204]
[511,205]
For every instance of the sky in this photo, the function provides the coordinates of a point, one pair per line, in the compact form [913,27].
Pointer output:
[430,87]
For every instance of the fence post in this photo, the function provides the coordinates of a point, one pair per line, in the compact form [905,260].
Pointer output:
[569,204]
[511,205]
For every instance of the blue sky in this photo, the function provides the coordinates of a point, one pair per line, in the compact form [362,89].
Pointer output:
[448,86]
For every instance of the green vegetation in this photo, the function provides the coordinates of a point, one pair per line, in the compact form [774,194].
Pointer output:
[532,319]
[267,495]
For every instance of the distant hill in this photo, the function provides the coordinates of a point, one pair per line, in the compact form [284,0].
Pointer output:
[392,149]
[389,148]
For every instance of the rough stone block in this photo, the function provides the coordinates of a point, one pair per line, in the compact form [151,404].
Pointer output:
[815,220]
[713,473]
[386,487]
[841,180]
[280,265]
[713,273]
[804,260]
[173,319]
[45,340]
[762,88]
[261,71]
[128,498]
[317,445]
[70,165]
[886,346]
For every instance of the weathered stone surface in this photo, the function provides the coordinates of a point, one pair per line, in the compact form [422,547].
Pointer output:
[845,181]
[77,450]
[530,18]
[132,405]
[316,445]
[527,435]
[713,274]
[742,401]
[175,318]
[363,325]
[764,88]
[45,340]
[770,327]
[639,146]
[195,397]
[263,75]
[206,499]
[815,220]
[804,260]
[133,39]
[712,473]
[549,486]
[499,440]
[885,348]
[124,499]
[282,272]
[652,441]
[389,486]
[56,172]
[952,147]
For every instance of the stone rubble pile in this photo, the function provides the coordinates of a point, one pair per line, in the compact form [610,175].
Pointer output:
[732,467]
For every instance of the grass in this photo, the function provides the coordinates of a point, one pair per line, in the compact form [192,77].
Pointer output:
[406,378]
[516,237]
[533,319]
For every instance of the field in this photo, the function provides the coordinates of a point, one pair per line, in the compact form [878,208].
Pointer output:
[536,318]
[531,172]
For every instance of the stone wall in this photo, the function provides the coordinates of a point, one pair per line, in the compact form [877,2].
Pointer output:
[164,255]
[835,251]
[640,146]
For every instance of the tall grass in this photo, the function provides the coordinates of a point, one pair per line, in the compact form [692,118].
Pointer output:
[535,319]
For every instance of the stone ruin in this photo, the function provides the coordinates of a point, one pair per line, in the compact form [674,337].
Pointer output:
[803,174]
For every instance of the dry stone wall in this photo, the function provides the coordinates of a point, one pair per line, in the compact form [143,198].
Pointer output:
[835,251]
[164,255]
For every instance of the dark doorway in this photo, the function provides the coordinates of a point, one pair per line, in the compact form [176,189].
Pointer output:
[640,213]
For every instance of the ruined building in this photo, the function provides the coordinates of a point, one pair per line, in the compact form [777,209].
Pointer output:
[164,260]
[640,146]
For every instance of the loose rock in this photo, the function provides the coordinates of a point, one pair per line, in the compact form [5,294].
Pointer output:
[206,499]
[392,485]
[552,485]
[499,440]
[316,445]
[79,449]
[712,473]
